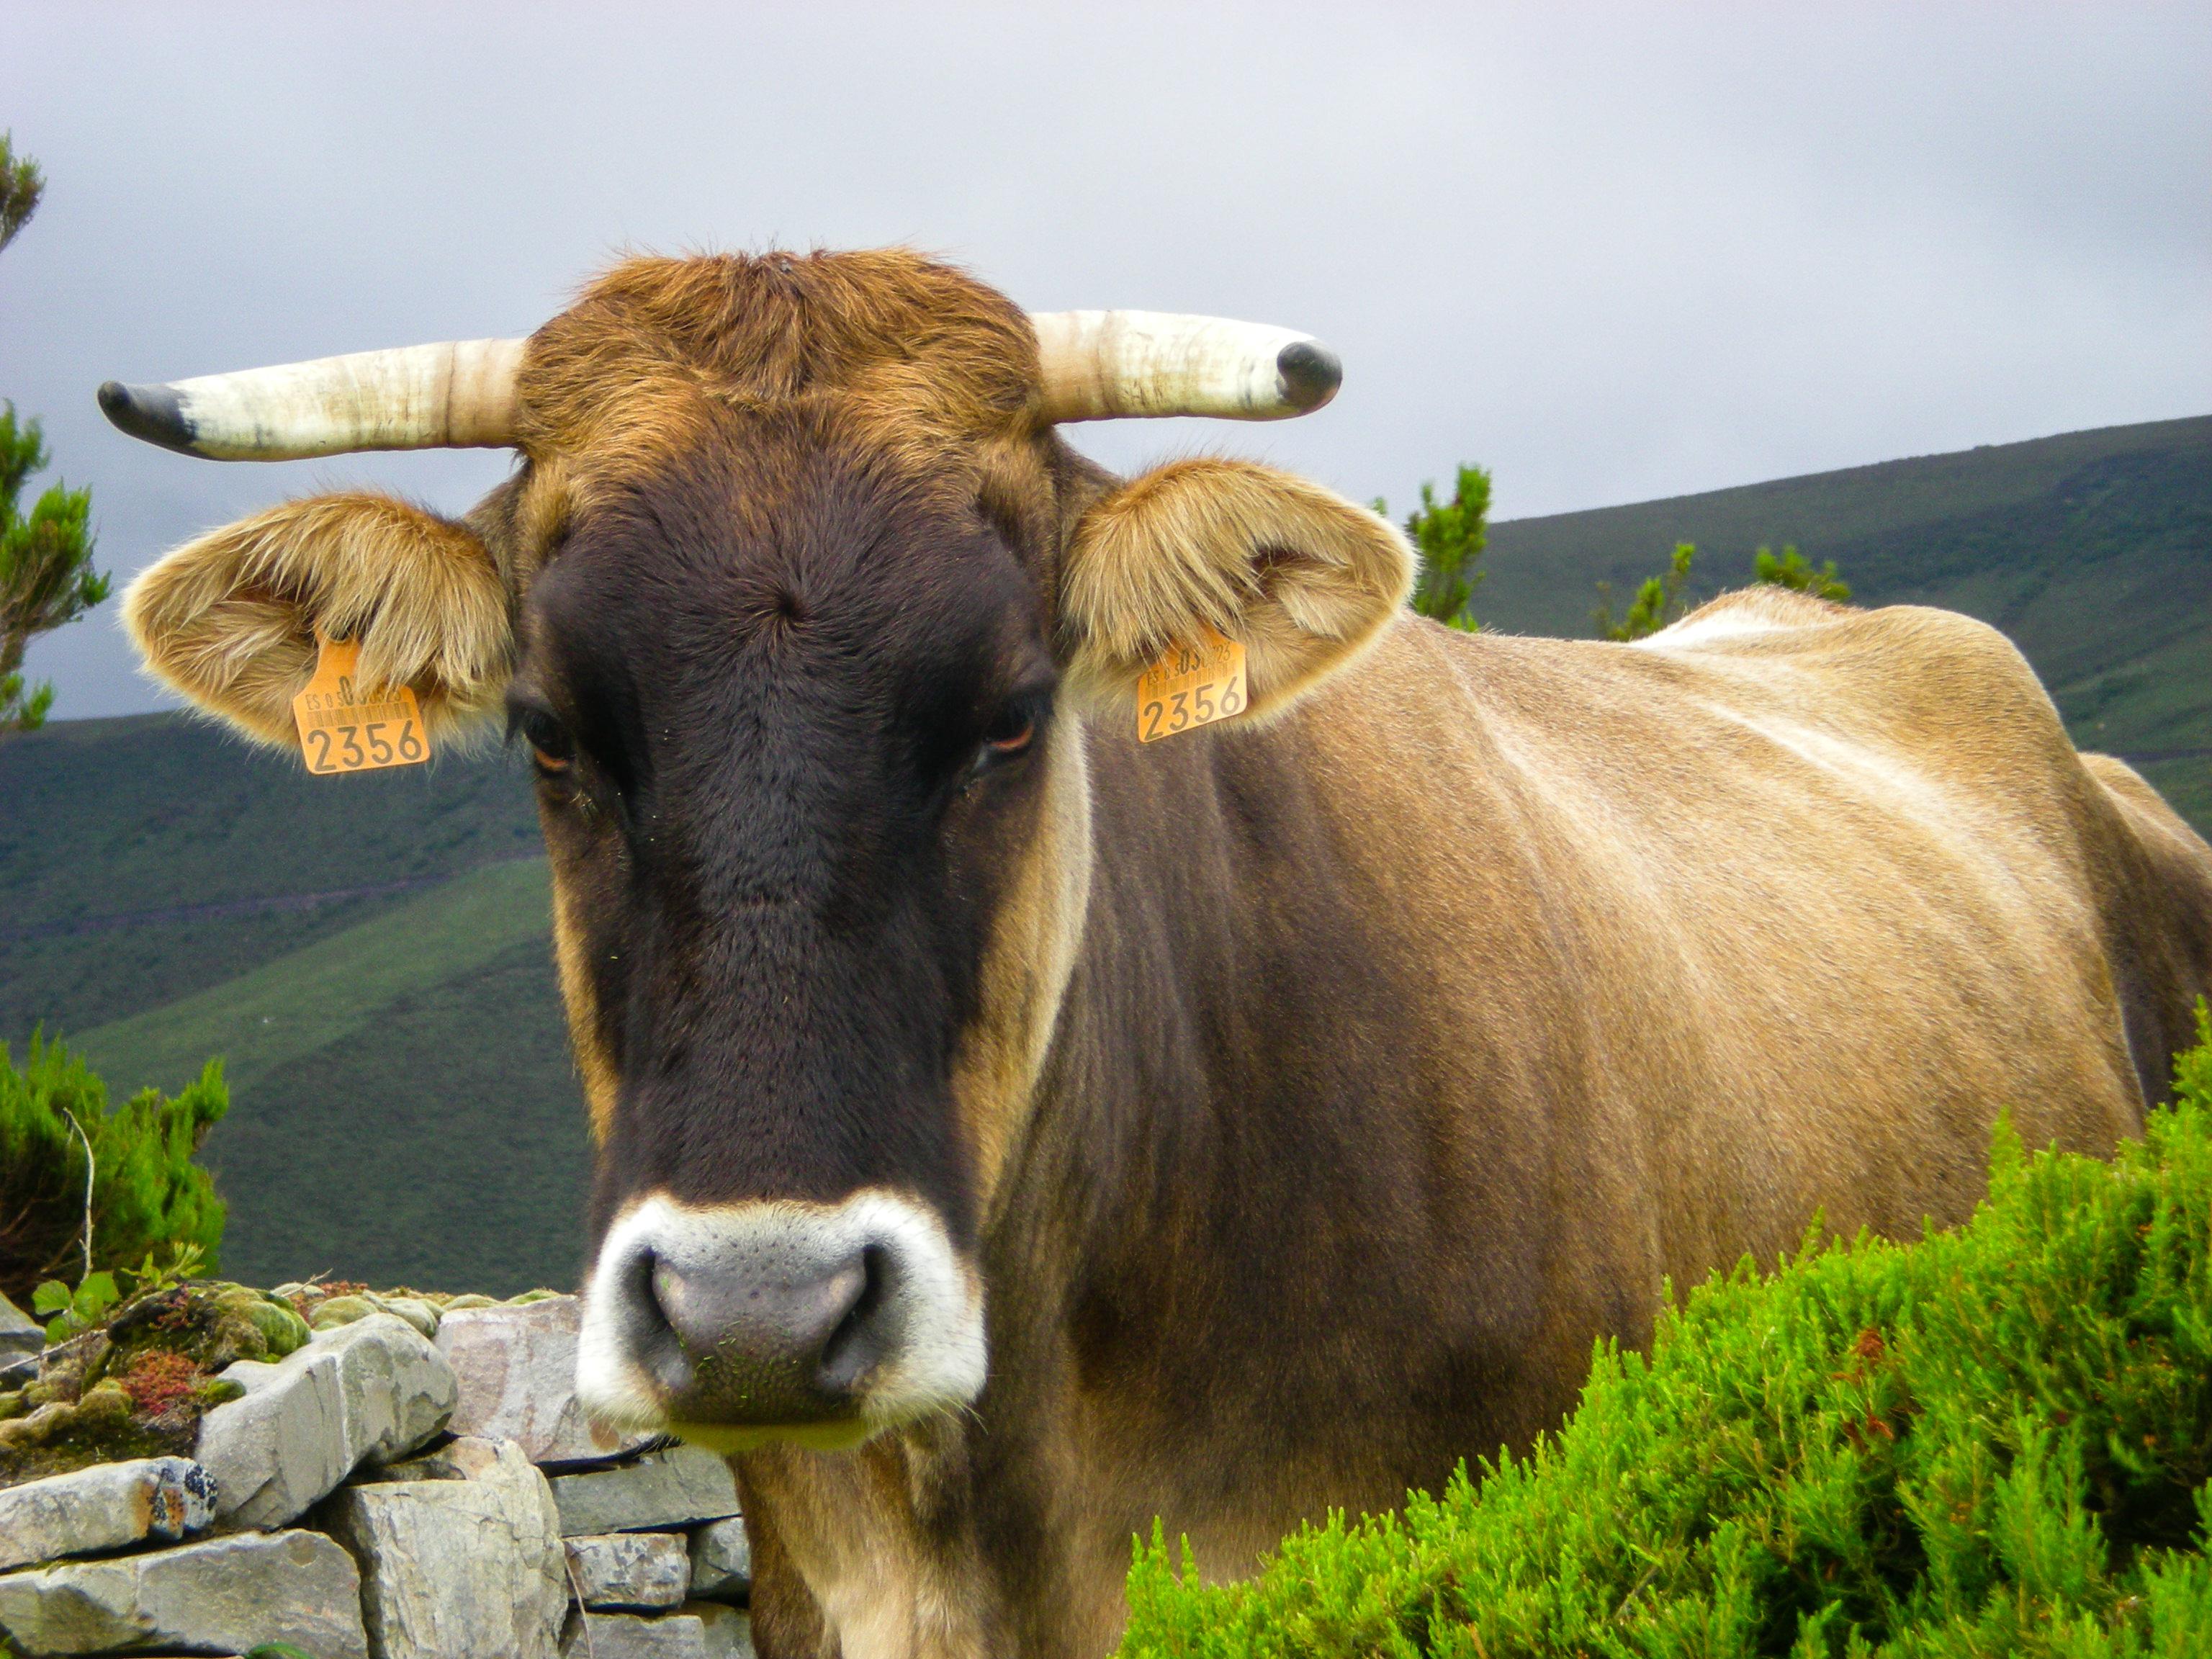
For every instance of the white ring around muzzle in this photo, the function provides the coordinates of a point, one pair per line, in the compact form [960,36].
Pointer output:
[933,1300]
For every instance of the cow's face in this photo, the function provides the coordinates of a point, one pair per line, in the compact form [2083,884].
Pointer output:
[802,615]
[794,718]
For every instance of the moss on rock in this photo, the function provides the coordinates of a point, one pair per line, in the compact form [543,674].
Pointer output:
[138,1385]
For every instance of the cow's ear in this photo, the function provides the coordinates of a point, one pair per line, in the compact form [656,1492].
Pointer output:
[229,621]
[1303,577]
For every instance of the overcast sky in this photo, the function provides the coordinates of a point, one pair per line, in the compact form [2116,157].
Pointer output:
[1613,253]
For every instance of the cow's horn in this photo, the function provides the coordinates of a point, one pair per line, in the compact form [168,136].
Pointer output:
[1101,364]
[459,395]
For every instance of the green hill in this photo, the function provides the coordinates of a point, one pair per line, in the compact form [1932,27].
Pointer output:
[144,858]
[333,990]
[372,956]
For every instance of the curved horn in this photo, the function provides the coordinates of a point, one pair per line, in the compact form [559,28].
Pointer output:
[1101,364]
[459,395]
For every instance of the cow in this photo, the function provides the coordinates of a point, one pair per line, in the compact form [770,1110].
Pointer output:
[1008,1130]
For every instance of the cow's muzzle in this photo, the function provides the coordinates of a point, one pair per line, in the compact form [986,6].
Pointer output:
[732,1324]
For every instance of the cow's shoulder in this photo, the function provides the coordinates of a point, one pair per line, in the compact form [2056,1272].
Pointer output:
[1765,614]
[1909,679]
[1774,625]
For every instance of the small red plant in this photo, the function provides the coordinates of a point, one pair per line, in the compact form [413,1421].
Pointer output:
[158,1379]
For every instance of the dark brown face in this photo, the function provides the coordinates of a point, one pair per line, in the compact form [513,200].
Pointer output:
[789,712]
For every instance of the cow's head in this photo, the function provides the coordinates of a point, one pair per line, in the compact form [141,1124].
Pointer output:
[801,606]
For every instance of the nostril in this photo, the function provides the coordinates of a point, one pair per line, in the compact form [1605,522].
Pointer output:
[856,1344]
[658,1340]
[677,1297]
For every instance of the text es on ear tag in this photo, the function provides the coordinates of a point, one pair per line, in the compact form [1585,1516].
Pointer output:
[1195,681]
[347,728]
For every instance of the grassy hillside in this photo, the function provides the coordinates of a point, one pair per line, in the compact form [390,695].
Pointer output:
[440,1143]
[2093,550]
[371,953]
[332,991]
[142,859]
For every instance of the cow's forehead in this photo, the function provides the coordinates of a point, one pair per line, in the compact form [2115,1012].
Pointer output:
[907,345]
[886,353]
[778,527]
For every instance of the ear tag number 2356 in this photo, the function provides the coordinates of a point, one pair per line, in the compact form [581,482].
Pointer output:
[344,727]
[1193,682]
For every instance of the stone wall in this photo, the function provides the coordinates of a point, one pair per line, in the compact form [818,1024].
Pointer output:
[415,1482]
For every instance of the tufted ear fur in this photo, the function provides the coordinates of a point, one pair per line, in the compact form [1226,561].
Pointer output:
[230,620]
[1303,577]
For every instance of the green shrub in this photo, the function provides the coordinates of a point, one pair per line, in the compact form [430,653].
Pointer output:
[147,1195]
[46,577]
[1790,571]
[1658,603]
[1995,1441]
[1449,537]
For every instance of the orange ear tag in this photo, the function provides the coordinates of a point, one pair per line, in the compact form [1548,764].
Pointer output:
[1191,684]
[343,728]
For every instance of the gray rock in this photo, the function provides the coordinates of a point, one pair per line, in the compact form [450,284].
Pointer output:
[728,1632]
[681,1486]
[104,1508]
[629,1572]
[20,1336]
[722,1561]
[454,1569]
[370,1391]
[517,1367]
[466,1459]
[699,1630]
[218,1595]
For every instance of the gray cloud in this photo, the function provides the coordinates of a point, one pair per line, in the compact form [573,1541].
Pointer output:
[1613,253]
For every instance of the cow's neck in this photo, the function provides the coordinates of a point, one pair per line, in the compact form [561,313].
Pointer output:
[1162,1196]
[1210,869]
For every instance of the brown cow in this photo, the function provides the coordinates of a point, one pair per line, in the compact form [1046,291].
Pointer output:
[1007,1133]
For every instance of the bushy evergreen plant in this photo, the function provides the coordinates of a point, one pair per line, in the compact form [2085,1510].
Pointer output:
[22,184]
[1449,537]
[1790,570]
[1659,601]
[1996,1441]
[148,1197]
[47,576]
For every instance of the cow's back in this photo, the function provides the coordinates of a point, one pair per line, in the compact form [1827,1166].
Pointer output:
[1819,893]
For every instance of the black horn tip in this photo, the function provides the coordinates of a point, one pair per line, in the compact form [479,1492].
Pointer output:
[153,414]
[1311,373]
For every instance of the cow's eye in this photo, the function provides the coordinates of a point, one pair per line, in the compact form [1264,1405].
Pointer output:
[1010,734]
[552,749]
